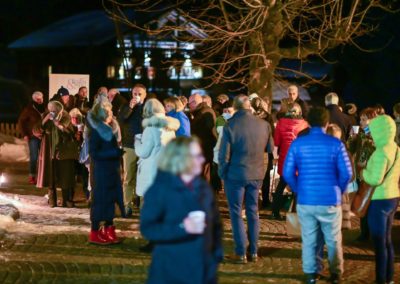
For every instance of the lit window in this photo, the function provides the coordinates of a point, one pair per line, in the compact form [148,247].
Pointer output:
[110,71]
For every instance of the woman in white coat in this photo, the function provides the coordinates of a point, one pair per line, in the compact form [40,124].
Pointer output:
[158,131]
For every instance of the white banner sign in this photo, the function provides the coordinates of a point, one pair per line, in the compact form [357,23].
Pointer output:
[72,82]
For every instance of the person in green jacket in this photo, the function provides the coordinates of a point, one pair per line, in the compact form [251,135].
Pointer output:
[383,172]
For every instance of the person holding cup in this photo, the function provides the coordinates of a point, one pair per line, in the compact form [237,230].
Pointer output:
[130,118]
[361,146]
[179,215]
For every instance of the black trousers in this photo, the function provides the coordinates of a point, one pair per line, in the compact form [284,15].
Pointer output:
[278,197]
[267,182]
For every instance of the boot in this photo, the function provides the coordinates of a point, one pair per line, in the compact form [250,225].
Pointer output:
[32,180]
[95,237]
[147,248]
[65,197]
[52,198]
[108,233]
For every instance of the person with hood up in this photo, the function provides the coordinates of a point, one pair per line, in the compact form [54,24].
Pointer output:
[383,172]
[159,129]
[104,136]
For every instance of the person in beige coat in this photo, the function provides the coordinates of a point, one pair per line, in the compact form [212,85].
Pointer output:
[159,129]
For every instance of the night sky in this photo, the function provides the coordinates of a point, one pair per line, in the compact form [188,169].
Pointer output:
[366,78]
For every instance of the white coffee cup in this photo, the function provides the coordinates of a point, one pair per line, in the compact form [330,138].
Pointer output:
[356,128]
[198,218]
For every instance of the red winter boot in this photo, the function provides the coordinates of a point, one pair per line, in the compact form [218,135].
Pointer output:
[108,232]
[95,237]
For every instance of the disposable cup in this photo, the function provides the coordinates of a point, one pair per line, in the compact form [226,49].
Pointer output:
[198,218]
[356,128]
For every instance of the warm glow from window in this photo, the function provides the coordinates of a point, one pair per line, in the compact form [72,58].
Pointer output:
[110,71]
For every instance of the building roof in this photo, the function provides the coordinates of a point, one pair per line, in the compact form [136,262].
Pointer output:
[84,29]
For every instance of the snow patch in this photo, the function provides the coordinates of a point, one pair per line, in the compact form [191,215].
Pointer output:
[13,149]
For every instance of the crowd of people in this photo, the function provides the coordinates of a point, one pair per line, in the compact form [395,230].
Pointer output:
[171,160]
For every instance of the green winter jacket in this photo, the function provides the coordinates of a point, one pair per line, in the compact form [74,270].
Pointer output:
[383,130]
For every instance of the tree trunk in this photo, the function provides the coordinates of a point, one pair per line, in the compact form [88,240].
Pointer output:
[266,42]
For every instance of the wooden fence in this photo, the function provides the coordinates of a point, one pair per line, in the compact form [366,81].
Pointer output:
[10,129]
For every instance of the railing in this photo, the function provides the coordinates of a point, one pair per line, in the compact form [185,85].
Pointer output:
[10,129]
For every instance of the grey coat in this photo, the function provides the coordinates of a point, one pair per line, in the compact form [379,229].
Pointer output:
[244,140]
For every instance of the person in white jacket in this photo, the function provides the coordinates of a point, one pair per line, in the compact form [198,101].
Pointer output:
[158,131]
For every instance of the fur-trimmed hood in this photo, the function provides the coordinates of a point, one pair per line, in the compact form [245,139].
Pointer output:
[105,131]
[161,121]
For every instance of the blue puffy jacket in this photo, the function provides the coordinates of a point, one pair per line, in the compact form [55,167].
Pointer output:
[184,128]
[317,168]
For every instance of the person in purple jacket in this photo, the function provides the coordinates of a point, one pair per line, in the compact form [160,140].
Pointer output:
[318,170]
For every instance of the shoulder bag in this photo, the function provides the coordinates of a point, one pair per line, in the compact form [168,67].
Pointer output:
[364,194]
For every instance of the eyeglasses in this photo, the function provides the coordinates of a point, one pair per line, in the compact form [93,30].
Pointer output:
[198,156]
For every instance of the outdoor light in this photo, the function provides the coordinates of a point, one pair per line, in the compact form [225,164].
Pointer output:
[2,179]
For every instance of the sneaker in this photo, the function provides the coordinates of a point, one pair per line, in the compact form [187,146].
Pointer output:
[253,257]
[238,259]
[311,278]
[128,212]
[335,278]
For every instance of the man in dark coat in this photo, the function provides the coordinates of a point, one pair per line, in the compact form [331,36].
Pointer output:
[203,126]
[117,100]
[130,120]
[29,124]
[293,94]
[241,166]
[81,101]
[337,116]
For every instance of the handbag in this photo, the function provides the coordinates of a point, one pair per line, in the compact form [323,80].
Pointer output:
[68,149]
[84,153]
[364,194]
[293,227]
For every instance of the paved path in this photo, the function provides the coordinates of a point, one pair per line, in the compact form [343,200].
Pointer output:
[48,245]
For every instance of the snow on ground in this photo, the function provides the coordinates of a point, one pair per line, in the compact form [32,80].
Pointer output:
[13,149]
[38,218]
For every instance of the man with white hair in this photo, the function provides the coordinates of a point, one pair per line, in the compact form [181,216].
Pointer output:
[293,94]
[29,123]
[337,116]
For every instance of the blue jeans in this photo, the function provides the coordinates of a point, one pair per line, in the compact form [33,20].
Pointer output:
[314,220]
[235,192]
[380,221]
[34,146]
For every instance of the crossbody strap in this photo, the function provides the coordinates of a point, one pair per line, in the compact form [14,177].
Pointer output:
[391,167]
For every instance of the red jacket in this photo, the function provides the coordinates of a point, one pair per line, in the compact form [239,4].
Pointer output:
[285,132]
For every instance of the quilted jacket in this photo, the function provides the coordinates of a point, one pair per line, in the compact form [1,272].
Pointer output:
[285,132]
[383,130]
[317,168]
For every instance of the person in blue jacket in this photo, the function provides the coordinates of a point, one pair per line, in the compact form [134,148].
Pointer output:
[104,136]
[318,170]
[186,249]
[174,108]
